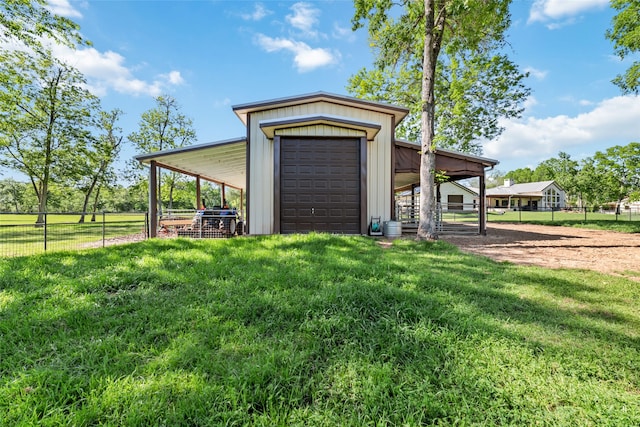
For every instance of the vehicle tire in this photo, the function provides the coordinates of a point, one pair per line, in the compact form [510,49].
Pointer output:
[240,228]
[232,227]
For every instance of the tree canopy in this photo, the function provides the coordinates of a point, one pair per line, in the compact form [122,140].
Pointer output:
[161,128]
[30,23]
[609,176]
[625,35]
[46,116]
[445,60]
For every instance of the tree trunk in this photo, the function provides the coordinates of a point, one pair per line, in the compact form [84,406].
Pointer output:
[95,203]
[85,203]
[427,224]
[87,196]
[42,202]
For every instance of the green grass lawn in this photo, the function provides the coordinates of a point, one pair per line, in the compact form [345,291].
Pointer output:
[312,330]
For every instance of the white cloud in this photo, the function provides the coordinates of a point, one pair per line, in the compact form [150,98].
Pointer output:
[173,78]
[530,102]
[63,8]
[535,73]
[259,12]
[612,122]
[343,33]
[306,58]
[304,18]
[562,11]
[107,70]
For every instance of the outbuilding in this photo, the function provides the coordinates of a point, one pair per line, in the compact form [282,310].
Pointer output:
[315,162]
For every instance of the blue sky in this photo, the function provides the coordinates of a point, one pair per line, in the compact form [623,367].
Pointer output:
[210,55]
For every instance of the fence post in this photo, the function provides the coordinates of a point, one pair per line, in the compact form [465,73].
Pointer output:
[520,214]
[585,214]
[45,231]
[552,213]
[103,229]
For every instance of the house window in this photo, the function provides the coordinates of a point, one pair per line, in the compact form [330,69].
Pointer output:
[552,198]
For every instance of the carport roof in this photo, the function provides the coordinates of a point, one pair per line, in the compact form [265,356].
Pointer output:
[455,164]
[222,162]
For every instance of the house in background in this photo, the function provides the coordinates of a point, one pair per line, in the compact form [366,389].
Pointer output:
[456,197]
[451,195]
[314,162]
[542,195]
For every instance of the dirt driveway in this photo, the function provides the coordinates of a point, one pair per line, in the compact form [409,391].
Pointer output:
[556,247]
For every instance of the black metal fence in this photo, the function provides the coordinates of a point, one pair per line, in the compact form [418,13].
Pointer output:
[31,233]
[585,214]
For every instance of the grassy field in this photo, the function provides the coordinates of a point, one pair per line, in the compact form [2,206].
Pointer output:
[19,234]
[65,218]
[312,330]
[598,221]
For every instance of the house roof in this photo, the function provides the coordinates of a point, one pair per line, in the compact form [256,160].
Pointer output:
[470,190]
[525,189]
[243,110]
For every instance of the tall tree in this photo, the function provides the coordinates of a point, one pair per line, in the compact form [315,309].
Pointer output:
[97,167]
[29,22]
[453,48]
[625,35]
[14,196]
[161,128]
[521,175]
[619,170]
[45,117]
[561,169]
[590,188]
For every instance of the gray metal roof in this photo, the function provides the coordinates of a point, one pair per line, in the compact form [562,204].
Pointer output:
[242,110]
[222,162]
[525,189]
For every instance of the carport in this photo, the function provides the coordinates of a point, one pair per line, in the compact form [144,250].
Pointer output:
[457,166]
[221,162]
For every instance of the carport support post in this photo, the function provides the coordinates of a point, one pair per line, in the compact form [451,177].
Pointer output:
[482,213]
[222,194]
[198,194]
[153,191]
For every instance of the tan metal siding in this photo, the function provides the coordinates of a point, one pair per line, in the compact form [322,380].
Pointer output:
[321,130]
[379,191]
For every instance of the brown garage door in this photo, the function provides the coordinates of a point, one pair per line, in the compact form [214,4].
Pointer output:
[454,202]
[319,185]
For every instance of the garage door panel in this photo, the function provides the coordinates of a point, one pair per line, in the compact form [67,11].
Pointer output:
[320,185]
[320,199]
